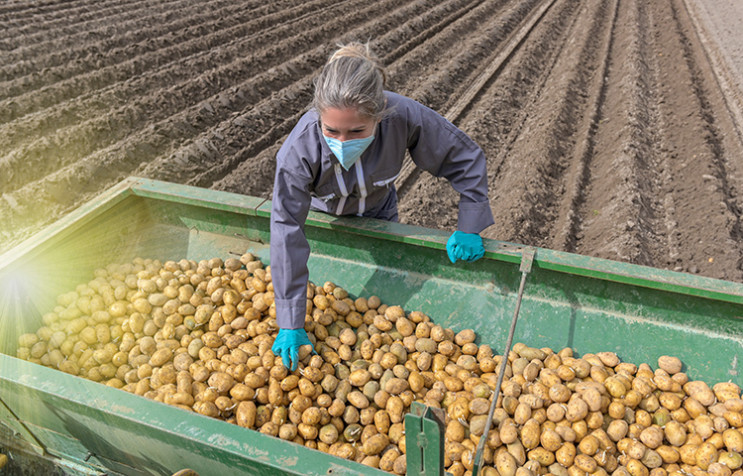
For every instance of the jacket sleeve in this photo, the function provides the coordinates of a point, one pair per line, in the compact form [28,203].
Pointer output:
[289,247]
[439,147]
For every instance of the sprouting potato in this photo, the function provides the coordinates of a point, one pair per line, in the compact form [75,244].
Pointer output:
[198,335]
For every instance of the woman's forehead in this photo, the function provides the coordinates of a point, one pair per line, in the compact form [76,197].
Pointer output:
[347,118]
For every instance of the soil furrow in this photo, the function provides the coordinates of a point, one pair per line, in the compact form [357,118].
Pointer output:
[25,74]
[254,174]
[443,50]
[260,183]
[543,149]
[421,29]
[140,77]
[23,13]
[269,130]
[81,140]
[489,120]
[450,81]
[568,219]
[112,164]
[621,212]
[455,83]
[706,222]
[213,47]
[72,27]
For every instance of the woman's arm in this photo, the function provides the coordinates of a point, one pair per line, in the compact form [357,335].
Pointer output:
[289,247]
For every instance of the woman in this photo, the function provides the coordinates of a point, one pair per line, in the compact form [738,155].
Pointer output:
[342,158]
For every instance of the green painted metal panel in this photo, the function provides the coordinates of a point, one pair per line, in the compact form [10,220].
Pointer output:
[136,436]
[12,424]
[585,303]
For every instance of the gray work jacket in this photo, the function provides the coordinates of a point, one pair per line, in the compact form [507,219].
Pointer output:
[309,175]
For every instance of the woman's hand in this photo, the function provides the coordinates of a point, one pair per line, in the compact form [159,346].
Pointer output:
[464,246]
[287,346]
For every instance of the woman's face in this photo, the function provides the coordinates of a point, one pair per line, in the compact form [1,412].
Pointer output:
[346,124]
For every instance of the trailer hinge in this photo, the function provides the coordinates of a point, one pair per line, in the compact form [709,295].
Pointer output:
[424,438]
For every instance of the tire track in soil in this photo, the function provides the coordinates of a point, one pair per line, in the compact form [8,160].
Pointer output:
[88,175]
[430,73]
[446,84]
[31,70]
[85,138]
[530,189]
[493,120]
[568,220]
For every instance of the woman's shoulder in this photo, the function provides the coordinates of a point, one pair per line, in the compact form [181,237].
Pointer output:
[307,123]
[303,141]
[407,109]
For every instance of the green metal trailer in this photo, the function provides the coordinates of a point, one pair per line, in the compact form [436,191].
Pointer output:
[83,427]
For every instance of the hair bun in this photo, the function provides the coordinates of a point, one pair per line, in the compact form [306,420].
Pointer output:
[362,51]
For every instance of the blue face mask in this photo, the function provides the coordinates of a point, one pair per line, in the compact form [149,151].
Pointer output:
[348,152]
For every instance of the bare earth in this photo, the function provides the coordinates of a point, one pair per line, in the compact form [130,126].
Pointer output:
[612,129]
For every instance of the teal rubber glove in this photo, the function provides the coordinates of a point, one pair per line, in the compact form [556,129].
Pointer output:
[287,345]
[464,246]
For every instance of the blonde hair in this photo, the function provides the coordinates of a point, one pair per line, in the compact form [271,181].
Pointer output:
[353,77]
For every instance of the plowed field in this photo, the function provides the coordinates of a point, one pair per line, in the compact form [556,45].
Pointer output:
[610,127]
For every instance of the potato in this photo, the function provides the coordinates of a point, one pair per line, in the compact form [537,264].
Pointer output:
[687,453]
[359,378]
[358,399]
[541,455]
[670,364]
[577,410]
[396,386]
[705,455]
[731,459]
[550,440]
[668,454]
[699,391]
[505,463]
[426,345]
[652,437]
[328,434]
[733,440]
[588,445]
[725,391]
[221,381]
[375,444]
[566,454]
[585,463]
[530,434]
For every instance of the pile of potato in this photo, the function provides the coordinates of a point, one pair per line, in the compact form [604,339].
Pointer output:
[198,335]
